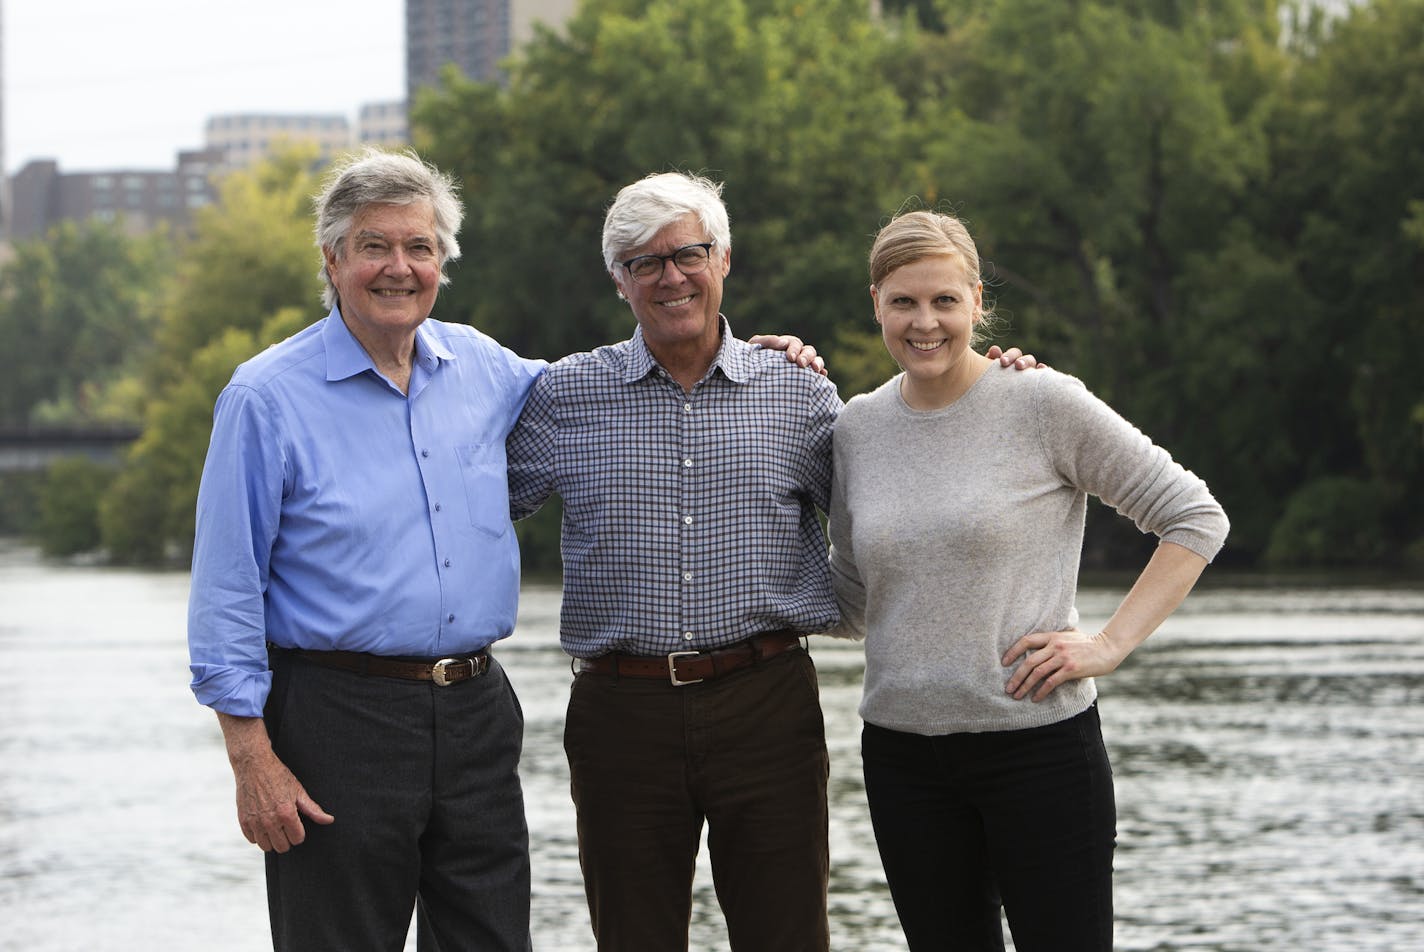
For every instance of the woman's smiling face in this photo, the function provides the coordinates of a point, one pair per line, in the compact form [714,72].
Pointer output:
[927,310]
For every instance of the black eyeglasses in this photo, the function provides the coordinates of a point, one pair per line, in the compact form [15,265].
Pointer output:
[689,259]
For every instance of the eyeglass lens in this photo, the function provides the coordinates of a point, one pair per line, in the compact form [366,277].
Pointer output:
[689,259]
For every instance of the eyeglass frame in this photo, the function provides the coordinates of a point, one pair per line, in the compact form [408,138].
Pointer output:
[662,260]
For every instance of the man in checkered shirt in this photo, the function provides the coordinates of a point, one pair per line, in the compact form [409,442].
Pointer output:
[691,465]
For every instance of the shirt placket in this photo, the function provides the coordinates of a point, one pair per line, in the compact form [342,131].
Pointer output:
[691,532]
[424,440]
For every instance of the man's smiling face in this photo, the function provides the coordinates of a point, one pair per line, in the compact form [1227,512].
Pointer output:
[677,309]
[387,274]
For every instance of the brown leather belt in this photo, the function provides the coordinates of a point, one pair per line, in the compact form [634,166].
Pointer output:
[692,667]
[445,672]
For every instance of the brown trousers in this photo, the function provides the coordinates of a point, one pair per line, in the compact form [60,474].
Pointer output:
[746,753]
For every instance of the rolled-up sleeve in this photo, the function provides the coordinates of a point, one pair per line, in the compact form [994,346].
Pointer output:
[239,506]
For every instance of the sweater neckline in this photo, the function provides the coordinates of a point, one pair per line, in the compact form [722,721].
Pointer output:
[961,400]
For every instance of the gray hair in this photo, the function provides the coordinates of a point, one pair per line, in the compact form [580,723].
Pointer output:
[375,177]
[650,204]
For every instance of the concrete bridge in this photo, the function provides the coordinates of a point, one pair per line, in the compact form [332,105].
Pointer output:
[35,447]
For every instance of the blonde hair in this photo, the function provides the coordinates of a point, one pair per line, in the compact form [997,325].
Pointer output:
[914,236]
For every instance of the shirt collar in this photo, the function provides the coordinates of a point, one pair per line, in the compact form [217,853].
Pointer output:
[732,356]
[345,357]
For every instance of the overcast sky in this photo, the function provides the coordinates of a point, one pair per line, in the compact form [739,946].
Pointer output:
[108,84]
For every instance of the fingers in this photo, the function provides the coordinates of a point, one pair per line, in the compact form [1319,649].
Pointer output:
[273,832]
[1048,659]
[797,351]
[1042,667]
[787,342]
[1013,357]
[282,829]
[270,806]
[312,810]
[1024,678]
[811,360]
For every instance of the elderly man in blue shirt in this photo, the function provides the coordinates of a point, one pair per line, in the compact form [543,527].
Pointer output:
[691,465]
[354,562]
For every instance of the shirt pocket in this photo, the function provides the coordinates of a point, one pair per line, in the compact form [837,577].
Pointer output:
[485,473]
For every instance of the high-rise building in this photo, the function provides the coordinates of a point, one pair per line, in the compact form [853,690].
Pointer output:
[248,138]
[4,179]
[472,34]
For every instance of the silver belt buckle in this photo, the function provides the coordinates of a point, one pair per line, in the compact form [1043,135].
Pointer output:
[672,668]
[439,669]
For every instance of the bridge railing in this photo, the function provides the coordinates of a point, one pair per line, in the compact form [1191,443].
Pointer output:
[36,447]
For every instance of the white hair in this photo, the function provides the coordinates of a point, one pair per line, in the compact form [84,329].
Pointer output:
[650,204]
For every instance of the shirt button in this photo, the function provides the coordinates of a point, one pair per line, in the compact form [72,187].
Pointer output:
[686,576]
[687,636]
[437,507]
[447,563]
[687,462]
[687,408]
[687,520]
[451,618]
[424,452]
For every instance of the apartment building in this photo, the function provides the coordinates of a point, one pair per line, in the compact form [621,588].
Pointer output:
[245,139]
[43,196]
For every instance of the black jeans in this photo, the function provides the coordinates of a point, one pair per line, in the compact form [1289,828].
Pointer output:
[967,822]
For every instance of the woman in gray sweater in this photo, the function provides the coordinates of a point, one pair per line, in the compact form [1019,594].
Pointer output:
[956,527]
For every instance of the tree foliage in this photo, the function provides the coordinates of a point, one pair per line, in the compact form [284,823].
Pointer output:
[1155,186]
[1345,196]
[148,514]
[1212,212]
[788,103]
[77,311]
[69,506]
[247,279]
[253,253]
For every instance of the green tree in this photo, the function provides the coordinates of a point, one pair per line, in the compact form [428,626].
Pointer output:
[787,102]
[1106,155]
[147,515]
[252,254]
[69,506]
[77,311]
[247,279]
[1346,191]
[1157,189]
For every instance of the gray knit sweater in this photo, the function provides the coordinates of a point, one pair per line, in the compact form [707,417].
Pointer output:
[956,531]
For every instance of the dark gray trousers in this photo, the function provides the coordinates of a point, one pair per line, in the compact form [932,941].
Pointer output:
[423,782]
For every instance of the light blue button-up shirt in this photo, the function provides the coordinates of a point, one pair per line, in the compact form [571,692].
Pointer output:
[337,513]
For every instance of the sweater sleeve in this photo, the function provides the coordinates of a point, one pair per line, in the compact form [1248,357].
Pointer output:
[1099,452]
[845,576]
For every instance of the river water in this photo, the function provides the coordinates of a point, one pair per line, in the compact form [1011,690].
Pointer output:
[1268,745]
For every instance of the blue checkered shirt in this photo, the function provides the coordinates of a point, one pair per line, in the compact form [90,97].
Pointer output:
[689,519]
